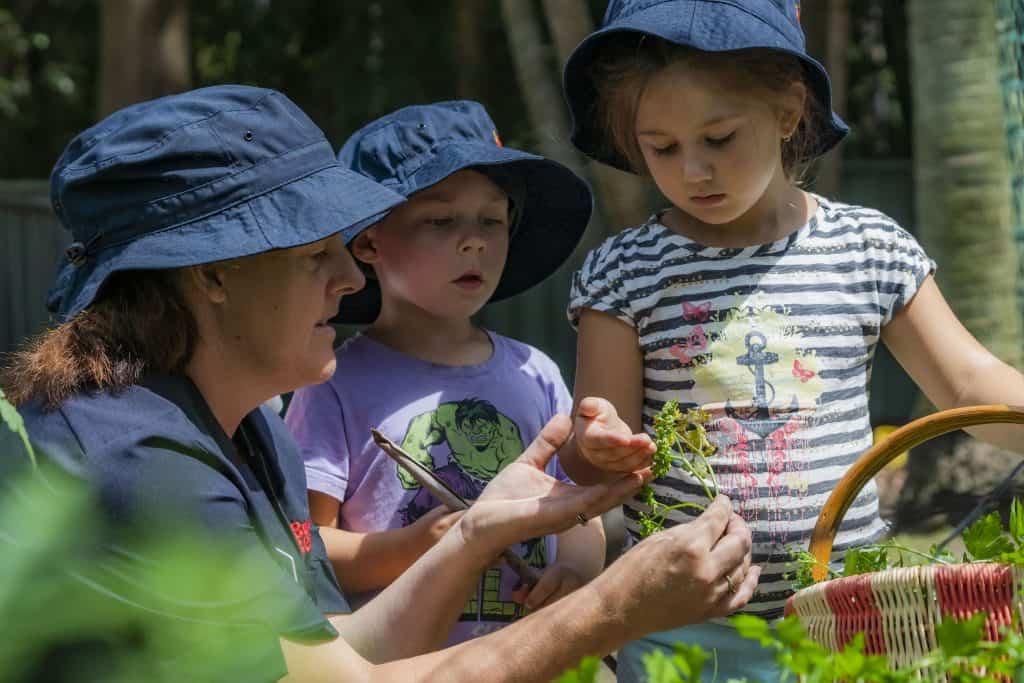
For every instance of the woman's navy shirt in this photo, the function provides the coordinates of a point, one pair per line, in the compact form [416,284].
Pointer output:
[157,457]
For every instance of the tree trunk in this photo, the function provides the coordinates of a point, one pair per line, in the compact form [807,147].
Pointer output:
[625,199]
[827,30]
[1011,62]
[963,206]
[543,97]
[469,49]
[144,51]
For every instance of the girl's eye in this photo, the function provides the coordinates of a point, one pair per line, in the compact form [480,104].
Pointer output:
[719,142]
[666,150]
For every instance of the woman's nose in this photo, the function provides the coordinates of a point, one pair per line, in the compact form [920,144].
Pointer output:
[349,278]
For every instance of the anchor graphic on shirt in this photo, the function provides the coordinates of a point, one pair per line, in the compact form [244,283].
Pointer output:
[761,419]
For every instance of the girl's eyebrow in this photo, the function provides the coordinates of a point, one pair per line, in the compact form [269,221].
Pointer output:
[707,124]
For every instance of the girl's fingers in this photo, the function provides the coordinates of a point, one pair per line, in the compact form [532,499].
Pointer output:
[544,589]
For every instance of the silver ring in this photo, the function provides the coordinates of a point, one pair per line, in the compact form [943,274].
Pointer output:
[728,580]
[582,519]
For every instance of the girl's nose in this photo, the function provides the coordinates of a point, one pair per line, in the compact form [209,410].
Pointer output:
[696,168]
[349,278]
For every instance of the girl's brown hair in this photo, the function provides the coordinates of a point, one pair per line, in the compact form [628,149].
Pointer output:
[139,324]
[627,61]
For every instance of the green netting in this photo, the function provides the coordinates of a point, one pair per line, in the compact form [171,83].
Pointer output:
[1010,33]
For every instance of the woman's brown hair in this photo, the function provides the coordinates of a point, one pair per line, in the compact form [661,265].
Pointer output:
[627,61]
[139,324]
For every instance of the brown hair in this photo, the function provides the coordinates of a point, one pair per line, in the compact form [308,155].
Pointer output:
[140,323]
[627,61]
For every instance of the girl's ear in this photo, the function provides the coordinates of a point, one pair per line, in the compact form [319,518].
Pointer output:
[364,246]
[792,110]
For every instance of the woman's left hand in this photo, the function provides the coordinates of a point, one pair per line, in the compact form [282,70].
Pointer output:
[557,581]
[523,501]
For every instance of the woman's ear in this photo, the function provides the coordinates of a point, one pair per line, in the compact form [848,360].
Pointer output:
[364,246]
[792,110]
[208,281]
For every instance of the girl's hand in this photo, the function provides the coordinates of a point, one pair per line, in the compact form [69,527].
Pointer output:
[606,441]
[557,581]
[428,529]
[523,501]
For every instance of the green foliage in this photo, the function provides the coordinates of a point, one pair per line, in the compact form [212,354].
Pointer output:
[586,672]
[681,441]
[87,606]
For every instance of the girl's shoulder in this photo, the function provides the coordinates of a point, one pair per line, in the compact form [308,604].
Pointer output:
[834,213]
[628,244]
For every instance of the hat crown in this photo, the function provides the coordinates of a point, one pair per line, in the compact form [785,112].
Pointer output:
[782,15]
[393,147]
[169,160]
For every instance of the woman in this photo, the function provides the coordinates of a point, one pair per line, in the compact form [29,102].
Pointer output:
[210,251]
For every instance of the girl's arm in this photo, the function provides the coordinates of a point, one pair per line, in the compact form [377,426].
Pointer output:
[367,561]
[950,366]
[609,364]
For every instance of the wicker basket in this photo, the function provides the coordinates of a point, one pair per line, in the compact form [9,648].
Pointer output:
[898,609]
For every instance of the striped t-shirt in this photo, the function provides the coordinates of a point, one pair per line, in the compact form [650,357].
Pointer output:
[776,342]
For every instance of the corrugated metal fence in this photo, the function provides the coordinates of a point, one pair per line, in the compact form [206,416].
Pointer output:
[31,242]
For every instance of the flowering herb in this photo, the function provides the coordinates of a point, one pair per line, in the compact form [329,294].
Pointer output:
[681,441]
[985,541]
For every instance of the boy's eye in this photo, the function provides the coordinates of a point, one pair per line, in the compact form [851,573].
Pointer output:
[491,221]
[665,150]
[320,255]
[439,222]
[718,142]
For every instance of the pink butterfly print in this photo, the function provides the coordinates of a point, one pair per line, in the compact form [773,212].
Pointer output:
[801,373]
[696,314]
[697,341]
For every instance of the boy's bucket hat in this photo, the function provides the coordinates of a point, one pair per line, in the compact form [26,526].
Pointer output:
[416,147]
[708,25]
[201,176]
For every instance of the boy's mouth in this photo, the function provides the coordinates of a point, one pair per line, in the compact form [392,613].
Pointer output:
[471,279]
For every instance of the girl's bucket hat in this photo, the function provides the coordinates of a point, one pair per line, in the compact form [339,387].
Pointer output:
[707,25]
[416,147]
[206,175]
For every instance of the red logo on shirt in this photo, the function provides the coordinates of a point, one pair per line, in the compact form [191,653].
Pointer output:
[302,535]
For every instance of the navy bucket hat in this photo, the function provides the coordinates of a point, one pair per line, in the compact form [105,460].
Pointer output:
[207,175]
[707,25]
[419,146]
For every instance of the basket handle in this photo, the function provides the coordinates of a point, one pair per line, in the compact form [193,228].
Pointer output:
[878,456]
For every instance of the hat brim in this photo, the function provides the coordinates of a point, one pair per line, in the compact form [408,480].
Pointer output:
[556,209]
[330,201]
[702,29]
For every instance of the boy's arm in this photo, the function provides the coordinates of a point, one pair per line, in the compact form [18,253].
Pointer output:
[581,553]
[368,561]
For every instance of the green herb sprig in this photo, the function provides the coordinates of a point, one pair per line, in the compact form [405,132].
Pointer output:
[681,441]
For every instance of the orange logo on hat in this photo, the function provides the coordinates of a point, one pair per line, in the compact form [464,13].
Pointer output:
[497,140]
[797,12]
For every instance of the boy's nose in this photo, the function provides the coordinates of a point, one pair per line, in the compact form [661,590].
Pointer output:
[472,243]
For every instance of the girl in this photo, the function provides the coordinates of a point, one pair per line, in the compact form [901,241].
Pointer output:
[483,222]
[748,297]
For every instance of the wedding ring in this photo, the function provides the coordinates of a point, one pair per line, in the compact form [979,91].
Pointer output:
[582,519]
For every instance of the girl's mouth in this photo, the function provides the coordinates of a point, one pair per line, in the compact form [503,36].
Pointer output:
[707,199]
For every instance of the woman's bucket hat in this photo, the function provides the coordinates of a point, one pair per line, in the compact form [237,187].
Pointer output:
[207,175]
[707,25]
[419,146]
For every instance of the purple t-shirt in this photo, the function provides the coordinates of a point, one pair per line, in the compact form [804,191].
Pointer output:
[465,422]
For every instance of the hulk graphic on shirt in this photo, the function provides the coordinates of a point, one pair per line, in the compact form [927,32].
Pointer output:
[480,441]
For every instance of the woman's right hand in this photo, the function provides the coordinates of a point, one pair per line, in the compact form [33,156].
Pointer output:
[678,576]
[523,501]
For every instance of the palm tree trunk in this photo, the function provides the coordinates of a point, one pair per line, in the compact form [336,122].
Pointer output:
[1011,77]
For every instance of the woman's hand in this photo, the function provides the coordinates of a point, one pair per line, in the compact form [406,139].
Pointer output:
[525,502]
[678,576]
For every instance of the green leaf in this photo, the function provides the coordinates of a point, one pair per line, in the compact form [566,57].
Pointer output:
[689,659]
[985,539]
[753,628]
[960,637]
[660,668]
[1017,521]
[586,672]
[12,418]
